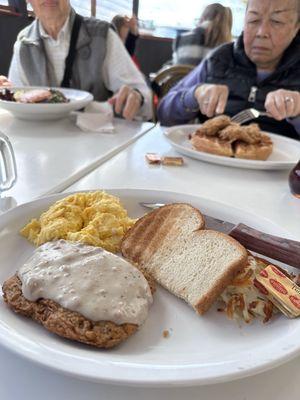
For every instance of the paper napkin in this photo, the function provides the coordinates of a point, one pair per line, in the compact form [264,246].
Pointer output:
[96,117]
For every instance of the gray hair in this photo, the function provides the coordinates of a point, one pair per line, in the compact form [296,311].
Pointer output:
[297,4]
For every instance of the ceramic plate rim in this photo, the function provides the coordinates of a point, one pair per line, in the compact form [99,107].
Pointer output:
[35,111]
[62,89]
[227,161]
[185,377]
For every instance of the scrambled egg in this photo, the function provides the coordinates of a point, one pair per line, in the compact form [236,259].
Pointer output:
[94,218]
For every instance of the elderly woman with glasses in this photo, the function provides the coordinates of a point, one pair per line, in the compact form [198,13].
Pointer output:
[260,70]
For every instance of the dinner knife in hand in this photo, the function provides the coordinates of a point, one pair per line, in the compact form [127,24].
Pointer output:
[275,247]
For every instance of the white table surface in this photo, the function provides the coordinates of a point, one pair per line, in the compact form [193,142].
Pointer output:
[265,194]
[54,154]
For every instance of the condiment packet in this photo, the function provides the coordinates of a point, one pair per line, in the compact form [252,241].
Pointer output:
[178,161]
[153,158]
[280,290]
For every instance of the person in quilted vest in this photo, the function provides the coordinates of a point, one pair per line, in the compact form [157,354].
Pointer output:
[101,65]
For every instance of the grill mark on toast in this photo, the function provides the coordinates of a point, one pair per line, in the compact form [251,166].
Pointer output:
[162,226]
[170,237]
[147,235]
[148,232]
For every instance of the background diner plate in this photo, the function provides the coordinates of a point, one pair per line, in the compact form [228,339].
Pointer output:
[285,155]
[47,111]
[199,350]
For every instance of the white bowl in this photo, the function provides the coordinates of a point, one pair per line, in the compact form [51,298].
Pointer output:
[48,111]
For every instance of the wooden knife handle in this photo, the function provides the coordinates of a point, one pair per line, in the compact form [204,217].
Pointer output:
[281,249]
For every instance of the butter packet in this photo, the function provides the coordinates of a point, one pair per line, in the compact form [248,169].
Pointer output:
[280,290]
[153,158]
[177,161]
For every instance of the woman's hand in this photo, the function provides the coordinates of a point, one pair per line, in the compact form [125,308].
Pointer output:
[127,102]
[133,25]
[212,99]
[282,104]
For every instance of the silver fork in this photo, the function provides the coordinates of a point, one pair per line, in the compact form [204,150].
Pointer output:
[248,115]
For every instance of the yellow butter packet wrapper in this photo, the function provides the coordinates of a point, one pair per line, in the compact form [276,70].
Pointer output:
[280,290]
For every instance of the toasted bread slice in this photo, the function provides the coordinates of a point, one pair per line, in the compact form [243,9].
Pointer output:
[158,228]
[212,145]
[192,263]
[258,151]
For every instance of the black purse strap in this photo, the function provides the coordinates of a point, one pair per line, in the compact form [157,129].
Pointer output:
[72,52]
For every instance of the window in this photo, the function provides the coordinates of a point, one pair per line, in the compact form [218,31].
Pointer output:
[3,2]
[183,14]
[82,7]
[107,9]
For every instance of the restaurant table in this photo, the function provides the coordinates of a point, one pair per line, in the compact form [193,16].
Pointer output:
[265,194]
[53,154]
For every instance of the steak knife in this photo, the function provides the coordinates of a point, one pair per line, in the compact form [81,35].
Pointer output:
[275,247]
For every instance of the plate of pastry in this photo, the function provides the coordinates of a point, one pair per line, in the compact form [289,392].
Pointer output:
[79,297]
[223,142]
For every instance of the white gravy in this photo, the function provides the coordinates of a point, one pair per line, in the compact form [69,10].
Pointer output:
[89,280]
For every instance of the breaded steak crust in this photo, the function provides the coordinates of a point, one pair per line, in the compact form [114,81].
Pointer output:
[64,322]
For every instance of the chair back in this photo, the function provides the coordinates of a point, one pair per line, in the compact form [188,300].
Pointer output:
[165,79]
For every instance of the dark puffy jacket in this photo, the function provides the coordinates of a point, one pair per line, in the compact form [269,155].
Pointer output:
[230,65]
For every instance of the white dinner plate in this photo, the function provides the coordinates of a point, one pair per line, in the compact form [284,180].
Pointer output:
[199,350]
[286,151]
[47,111]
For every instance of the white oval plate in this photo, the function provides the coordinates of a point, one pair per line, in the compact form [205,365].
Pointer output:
[48,111]
[285,155]
[199,350]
